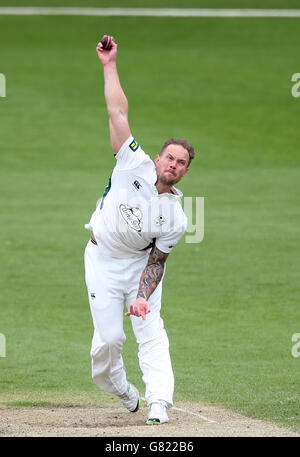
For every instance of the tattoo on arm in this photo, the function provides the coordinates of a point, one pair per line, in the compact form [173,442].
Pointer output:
[153,273]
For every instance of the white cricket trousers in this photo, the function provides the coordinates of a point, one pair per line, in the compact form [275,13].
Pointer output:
[111,283]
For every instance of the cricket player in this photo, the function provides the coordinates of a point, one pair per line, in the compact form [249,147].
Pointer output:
[135,226]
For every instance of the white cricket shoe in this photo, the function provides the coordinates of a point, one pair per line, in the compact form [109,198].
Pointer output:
[131,399]
[157,414]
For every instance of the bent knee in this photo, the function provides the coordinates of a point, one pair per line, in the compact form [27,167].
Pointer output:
[110,345]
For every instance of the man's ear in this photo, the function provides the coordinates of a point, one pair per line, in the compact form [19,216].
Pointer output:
[186,171]
[157,158]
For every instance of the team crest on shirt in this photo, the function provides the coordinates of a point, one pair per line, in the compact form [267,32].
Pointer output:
[132,216]
[134,145]
[160,220]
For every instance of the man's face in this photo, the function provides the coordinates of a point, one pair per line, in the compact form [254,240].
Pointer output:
[172,164]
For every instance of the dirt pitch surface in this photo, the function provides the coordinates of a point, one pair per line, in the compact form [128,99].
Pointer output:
[188,419]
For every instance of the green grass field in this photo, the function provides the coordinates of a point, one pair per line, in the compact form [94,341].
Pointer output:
[230,303]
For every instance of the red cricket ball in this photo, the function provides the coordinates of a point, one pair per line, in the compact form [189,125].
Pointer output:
[106,42]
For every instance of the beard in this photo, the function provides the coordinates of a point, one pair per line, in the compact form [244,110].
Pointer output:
[169,180]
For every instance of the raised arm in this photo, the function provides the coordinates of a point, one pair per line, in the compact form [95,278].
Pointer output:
[116,101]
[149,280]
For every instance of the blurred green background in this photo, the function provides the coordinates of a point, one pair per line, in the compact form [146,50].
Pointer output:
[230,303]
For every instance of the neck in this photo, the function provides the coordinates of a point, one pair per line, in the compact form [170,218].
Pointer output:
[163,188]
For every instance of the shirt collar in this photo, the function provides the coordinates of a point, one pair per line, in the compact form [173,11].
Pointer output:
[177,193]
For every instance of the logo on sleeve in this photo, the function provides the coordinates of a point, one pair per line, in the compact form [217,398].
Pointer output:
[137,184]
[134,145]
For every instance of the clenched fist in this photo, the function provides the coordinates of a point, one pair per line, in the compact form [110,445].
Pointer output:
[107,49]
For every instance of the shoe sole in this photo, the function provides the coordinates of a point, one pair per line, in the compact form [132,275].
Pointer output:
[155,422]
[137,406]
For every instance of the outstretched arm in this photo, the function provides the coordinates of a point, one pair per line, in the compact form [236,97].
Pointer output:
[149,280]
[116,101]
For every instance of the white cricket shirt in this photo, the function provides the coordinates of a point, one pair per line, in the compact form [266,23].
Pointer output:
[132,214]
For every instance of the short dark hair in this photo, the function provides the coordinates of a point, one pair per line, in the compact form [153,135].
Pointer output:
[182,142]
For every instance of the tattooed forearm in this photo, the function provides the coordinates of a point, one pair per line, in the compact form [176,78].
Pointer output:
[149,280]
[153,273]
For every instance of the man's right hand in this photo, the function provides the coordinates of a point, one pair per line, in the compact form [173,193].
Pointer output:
[116,101]
[107,55]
